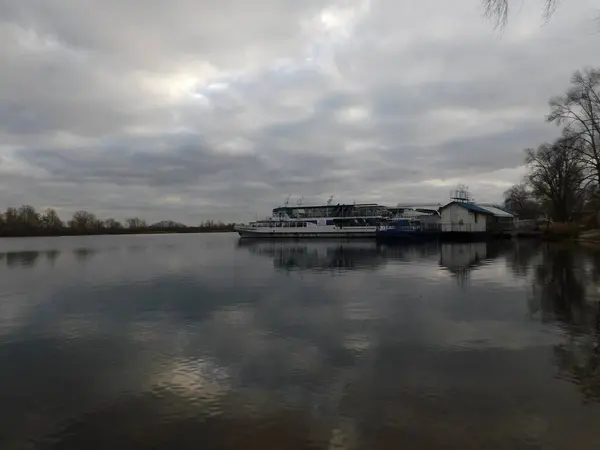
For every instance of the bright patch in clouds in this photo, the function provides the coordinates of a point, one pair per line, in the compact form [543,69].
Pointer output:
[353,114]
[180,85]
[338,21]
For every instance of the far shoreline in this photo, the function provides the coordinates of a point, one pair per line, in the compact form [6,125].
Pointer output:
[73,233]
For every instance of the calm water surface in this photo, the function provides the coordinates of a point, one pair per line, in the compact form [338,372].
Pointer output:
[203,342]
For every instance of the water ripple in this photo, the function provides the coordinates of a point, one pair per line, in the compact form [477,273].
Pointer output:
[203,341]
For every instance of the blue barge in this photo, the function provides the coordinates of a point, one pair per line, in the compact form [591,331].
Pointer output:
[406,229]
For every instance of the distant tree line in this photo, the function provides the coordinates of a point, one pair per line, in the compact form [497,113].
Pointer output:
[563,176]
[26,221]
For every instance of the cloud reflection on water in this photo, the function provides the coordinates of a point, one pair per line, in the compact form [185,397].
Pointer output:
[299,345]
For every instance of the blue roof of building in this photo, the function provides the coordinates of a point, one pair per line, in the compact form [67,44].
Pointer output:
[471,207]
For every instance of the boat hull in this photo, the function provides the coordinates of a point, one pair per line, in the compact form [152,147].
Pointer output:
[307,233]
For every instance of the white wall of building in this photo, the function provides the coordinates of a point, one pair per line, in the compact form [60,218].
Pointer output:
[457,218]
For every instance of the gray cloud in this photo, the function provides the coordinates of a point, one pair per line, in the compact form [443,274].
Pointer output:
[194,111]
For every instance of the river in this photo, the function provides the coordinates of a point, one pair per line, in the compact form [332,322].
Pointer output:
[204,341]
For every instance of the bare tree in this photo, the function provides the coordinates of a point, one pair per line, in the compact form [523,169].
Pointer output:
[113,224]
[98,224]
[28,217]
[11,217]
[50,220]
[516,195]
[167,225]
[557,178]
[498,10]
[83,221]
[135,223]
[579,111]
[519,199]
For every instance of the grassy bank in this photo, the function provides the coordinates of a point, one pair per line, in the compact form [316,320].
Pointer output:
[561,232]
[574,232]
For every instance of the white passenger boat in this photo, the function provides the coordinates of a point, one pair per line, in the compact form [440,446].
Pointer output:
[347,221]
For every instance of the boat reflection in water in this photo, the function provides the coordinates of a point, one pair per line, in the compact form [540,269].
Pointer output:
[317,255]
[458,258]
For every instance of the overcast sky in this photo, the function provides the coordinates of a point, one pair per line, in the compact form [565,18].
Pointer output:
[197,109]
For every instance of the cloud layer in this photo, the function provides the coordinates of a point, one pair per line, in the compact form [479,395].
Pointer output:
[193,111]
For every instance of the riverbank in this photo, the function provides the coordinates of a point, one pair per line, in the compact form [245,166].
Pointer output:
[570,232]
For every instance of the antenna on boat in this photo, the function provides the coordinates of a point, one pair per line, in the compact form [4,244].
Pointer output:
[287,200]
[330,200]
[299,202]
